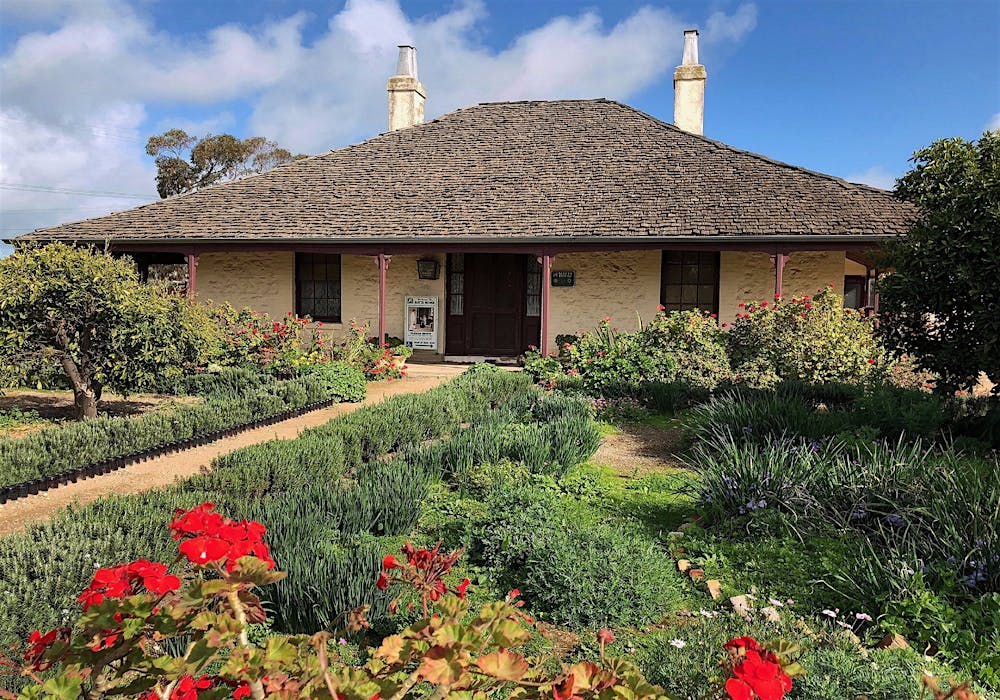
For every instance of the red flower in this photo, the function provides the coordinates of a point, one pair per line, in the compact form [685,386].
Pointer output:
[462,588]
[661,307]
[389,563]
[383,582]
[39,643]
[196,521]
[742,643]
[605,636]
[202,550]
[871,361]
[738,690]
[741,305]
[242,692]
[763,304]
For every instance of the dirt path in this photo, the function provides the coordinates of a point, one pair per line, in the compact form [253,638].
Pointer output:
[163,470]
[640,449]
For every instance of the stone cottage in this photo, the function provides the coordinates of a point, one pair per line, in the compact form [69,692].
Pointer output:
[501,225]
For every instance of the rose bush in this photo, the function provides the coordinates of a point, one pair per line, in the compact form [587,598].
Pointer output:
[133,612]
[809,338]
[684,345]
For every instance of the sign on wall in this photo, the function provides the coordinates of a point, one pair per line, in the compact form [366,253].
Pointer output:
[421,323]
[563,278]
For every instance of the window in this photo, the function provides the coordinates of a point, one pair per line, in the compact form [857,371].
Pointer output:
[317,286]
[456,284]
[690,280]
[533,292]
[855,292]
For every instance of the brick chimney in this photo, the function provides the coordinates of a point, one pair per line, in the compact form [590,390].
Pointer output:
[406,94]
[689,88]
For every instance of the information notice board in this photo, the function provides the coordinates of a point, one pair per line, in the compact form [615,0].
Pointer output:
[421,323]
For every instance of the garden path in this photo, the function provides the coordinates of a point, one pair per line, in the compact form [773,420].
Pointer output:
[163,470]
[637,449]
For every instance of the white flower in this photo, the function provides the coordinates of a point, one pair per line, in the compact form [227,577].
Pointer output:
[863,616]
[775,602]
[830,613]
[679,643]
[708,613]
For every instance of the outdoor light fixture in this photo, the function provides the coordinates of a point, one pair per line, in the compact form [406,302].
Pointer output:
[427,269]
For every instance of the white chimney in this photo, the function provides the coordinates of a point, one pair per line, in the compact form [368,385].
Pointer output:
[689,88]
[406,94]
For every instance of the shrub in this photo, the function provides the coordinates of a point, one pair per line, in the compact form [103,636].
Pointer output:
[687,346]
[572,565]
[810,339]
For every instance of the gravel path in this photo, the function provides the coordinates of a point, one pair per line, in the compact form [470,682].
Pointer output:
[163,470]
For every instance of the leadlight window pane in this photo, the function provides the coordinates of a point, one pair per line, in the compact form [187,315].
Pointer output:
[456,284]
[317,286]
[533,293]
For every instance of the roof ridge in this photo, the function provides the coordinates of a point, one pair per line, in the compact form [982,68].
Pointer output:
[725,146]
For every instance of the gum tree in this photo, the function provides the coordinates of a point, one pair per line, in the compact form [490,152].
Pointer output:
[940,301]
[87,311]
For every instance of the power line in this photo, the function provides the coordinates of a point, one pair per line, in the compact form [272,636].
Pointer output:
[61,190]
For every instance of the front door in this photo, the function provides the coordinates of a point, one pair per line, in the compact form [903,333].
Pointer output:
[491,304]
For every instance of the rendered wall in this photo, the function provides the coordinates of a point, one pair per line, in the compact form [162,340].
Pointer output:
[261,281]
[750,277]
[619,285]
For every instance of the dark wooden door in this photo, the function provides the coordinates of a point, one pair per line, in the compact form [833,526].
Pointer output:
[494,303]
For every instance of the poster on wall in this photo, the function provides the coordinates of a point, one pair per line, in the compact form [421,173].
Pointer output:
[421,323]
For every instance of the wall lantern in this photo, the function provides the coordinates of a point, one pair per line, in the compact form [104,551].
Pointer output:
[428,269]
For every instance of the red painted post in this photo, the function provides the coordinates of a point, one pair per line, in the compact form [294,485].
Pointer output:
[383,266]
[546,289]
[779,271]
[192,282]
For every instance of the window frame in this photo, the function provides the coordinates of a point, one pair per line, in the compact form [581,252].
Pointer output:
[340,284]
[863,291]
[716,264]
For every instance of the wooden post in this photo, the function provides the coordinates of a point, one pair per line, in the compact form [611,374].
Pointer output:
[192,282]
[779,271]
[546,289]
[382,260]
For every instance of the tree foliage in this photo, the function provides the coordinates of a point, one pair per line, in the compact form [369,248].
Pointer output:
[185,163]
[87,311]
[940,301]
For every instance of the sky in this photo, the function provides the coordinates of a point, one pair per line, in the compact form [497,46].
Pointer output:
[846,87]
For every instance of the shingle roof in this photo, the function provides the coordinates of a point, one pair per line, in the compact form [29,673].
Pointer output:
[574,168]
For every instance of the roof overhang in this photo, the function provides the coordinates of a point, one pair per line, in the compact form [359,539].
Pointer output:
[480,243]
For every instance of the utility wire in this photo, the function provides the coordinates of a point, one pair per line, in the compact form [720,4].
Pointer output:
[61,190]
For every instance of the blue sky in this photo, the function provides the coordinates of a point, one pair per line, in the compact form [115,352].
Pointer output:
[844,87]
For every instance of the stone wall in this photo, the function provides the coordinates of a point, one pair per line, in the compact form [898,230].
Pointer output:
[622,285]
[262,281]
[750,277]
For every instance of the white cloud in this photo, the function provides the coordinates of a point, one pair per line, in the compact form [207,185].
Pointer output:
[81,88]
[876,176]
[994,123]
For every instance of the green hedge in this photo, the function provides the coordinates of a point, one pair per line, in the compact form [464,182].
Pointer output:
[232,398]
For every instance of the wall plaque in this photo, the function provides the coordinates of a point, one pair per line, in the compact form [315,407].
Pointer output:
[563,278]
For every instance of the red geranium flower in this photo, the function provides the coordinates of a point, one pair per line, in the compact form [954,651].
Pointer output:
[462,588]
[389,563]
[202,550]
